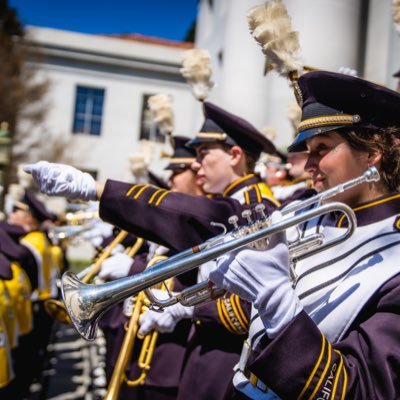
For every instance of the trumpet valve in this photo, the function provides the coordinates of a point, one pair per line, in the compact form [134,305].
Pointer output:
[260,208]
[247,215]
[233,220]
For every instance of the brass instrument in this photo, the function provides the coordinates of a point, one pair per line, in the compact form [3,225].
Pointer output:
[87,303]
[56,308]
[146,354]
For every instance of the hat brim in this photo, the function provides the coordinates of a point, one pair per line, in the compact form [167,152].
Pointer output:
[177,166]
[299,143]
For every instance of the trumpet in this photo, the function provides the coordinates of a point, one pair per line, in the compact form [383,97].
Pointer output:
[86,304]
[56,309]
[146,354]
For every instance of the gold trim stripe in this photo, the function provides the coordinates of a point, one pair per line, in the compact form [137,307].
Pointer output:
[322,377]
[339,370]
[247,197]
[182,160]
[222,316]
[129,192]
[212,135]
[328,120]
[317,364]
[161,197]
[344,383]
[375,203]
[235,183]
[227,317]
[155,194]
[137,195]
[237,308]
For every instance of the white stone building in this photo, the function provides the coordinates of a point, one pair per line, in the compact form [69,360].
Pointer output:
[99,87]
[356,33]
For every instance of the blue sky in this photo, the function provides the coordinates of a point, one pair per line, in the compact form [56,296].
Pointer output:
[169,19]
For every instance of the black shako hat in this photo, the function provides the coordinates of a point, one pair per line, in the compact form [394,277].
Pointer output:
[220,126]
[332,101]
[183,156]
[32,204]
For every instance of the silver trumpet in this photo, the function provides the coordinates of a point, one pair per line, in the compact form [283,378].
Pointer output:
[86,304]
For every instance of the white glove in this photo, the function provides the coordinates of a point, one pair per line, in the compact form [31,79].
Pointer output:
[115,267]
[98,232]
[165,321]
[62,180]
[348,71]
[263,278]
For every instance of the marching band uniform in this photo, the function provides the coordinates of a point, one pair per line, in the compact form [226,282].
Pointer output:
[180,221]
[48,269]
[162,379]
[340,336]
[7,318]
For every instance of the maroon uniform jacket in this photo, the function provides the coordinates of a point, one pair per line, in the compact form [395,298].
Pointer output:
[180,221]
[300,363]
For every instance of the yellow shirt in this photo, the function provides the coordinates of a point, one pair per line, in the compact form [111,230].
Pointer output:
[6,370]
[7,315]
[40,247]
[19,288]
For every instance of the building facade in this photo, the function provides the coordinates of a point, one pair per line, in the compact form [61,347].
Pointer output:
[99,86]
[354,33]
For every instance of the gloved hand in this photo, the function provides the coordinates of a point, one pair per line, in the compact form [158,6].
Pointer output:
[347,71]
[115,267]
[62,180]
[165,321]
[263,278]
[98,232]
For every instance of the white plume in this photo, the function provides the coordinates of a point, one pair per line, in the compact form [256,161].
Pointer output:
[140,160]
[271,27]
[196,69]
[160,106]
[396,14]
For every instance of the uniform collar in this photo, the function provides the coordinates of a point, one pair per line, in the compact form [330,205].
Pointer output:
[240,183]
[375,210]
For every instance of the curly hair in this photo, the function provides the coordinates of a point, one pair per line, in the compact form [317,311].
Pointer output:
[384,140]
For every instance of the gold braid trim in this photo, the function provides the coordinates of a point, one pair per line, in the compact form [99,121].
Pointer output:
[212,135]
[328,120]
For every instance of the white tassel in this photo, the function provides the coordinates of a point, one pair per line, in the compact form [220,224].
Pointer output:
[396,14]
[271,27]
[196,69]
[161,109]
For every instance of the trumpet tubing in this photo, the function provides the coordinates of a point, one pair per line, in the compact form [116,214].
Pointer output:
[56,308]
[87,303]
[119,376]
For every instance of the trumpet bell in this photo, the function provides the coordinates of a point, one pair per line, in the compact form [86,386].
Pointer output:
[81,315]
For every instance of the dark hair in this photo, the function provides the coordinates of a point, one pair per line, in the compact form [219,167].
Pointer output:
[384,140]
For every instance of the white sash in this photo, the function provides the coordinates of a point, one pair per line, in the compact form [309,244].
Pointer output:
[356,271]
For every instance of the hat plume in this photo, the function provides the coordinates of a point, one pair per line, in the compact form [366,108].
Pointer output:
[271,27]
[196,69]
[396,14]
[160,106]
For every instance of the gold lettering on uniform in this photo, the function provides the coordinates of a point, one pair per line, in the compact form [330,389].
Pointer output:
[327,388]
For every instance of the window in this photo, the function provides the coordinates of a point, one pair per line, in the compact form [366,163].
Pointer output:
[148,128]
[88,110]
